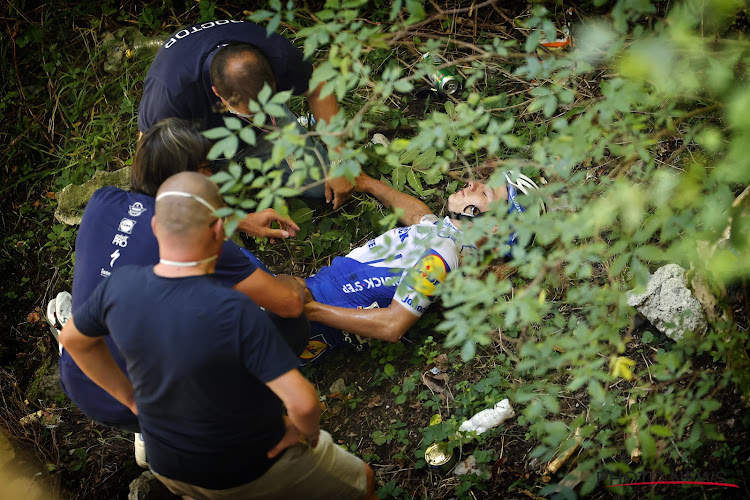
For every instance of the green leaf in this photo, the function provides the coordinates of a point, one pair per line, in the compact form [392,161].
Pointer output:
[408,156]
[532,41]
[619,264]
[415,8]
[468,349]
[274,110]
[660,430]
[273,24]
[389,370]
[235,170]
[650,253]
[221,177]
[225,148]
[260,16]
[495,101]
[403,86]
[286,192]
[232,123]
[302,215]
[216,133]
[411,178]
[264,94]
[247,135]
[648,445]
[425,160]
[511,141]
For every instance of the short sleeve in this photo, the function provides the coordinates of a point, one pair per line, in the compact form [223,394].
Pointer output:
[416,290]
[263,351]
[429,219]
[89,317]
[233,265]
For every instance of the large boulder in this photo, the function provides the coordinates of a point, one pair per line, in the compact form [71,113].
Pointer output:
[668,303]
[73,199]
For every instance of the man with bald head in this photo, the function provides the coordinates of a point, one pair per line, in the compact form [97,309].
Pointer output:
[209,372]
[212,70]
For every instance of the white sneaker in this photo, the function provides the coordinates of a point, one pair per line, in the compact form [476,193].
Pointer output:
[59,311]
[140,450]
[51,319]
[63,307]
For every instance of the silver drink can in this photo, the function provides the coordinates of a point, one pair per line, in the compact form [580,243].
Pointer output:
[444,79]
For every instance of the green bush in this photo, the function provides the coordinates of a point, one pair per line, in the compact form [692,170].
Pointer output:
[640,134]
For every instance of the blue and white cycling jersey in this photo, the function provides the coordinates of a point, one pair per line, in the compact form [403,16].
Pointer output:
[404,265]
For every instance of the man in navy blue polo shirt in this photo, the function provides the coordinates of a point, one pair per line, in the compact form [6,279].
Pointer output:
[116,231]
[209,372]
[211,70]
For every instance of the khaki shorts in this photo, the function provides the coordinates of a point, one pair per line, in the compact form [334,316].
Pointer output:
[325,472]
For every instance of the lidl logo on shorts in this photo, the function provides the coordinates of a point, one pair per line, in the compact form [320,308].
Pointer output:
[314,349]
[432,270]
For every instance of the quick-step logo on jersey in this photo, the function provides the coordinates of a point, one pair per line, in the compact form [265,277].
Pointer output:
[370,283]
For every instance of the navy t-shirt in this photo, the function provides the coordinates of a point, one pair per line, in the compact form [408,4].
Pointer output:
[199,356]
[116,231]
[178,83]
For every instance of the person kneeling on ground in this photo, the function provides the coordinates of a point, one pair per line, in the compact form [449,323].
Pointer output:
[212,70]
[209,372]
[369,293]
[115,232]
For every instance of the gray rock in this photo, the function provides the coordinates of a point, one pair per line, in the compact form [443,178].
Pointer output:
[73,199]
[338,386]
[468,466]
[147,487]
[667,299]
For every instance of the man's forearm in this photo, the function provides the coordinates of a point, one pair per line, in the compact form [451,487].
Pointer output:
[388,323]
[307,423]
[282,294]
[301,401]
[394,199]
[322,108]
[93,357]
[296,286]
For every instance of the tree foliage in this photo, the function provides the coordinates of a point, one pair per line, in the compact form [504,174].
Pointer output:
[594,121]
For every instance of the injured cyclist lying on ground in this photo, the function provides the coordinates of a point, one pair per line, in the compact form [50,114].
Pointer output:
[382,288]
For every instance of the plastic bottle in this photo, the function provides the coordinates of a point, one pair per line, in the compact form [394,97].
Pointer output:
[145,44]
[489,418]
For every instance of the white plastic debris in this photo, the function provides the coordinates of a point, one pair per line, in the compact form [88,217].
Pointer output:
[487,419]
